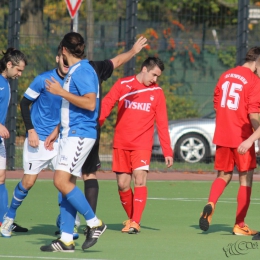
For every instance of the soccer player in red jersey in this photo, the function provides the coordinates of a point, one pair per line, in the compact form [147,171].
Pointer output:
[140,102]
[236,102]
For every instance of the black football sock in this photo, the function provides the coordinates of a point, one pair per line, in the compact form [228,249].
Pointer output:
[91,192]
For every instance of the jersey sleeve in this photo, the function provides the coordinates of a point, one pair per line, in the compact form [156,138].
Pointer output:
[254,98]
[85,81]
[109,101]
[216,96]
[25,111]
[35,88]
[104,69]
[161,119]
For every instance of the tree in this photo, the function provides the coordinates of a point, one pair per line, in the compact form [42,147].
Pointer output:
[32,21]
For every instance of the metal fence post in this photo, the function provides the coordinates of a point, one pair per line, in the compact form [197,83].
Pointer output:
[13,41]
[242,31]
[131,26]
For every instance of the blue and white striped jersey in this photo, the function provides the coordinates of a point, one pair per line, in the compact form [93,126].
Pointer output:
[75,121]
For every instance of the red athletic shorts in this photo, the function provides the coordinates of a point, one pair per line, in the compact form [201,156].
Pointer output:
[226,158]
[128,160]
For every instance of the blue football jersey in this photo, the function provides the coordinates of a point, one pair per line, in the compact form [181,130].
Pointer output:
[45,109]
[75,121]
[5,95]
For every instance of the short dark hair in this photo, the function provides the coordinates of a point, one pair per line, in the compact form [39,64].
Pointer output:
[151,62]
[75,44]
[253,54]
[13,55]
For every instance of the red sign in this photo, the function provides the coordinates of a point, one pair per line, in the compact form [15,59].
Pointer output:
[73,6]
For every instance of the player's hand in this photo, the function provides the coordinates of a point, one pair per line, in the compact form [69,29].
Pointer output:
[33,138]
[244,146]
[4,133]
[139,44]
[168,161]
[53,86]
[49,143]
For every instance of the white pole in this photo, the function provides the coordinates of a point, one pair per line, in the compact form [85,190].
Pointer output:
[75,22]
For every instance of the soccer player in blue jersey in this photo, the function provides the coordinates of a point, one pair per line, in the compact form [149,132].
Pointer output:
[104,70]
[40,121]
[44,113]
[79,112]
[12,65]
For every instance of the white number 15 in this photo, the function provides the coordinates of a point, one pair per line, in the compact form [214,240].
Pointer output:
[231,91]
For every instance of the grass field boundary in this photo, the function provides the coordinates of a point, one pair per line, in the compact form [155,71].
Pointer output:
[46,258]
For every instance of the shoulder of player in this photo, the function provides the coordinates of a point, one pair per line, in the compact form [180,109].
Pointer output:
[100,62]
[240,73]
[84,67]
[103,65]
[46,74]
[3,80]
[126,80]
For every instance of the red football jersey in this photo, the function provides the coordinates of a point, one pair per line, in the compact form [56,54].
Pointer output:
[236,95]
[138,108]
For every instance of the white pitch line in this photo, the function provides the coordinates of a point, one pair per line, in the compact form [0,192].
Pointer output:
[225,200]
[41,257]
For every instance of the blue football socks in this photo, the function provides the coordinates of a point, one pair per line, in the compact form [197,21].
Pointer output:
[3,201]
[79,202]
[19,194]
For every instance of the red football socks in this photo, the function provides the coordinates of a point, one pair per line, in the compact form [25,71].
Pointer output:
[126,198]
[216,190]
[243,201]
[140,198]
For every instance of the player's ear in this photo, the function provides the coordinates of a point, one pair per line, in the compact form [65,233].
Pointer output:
[144,69]
[57,59]
[9,65]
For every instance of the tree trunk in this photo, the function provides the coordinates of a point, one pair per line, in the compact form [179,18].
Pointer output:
[32,27]
[90,29]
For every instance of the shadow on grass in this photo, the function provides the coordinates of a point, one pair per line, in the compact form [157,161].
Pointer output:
[118,227]
[43,229]
[215,228]
[49,230]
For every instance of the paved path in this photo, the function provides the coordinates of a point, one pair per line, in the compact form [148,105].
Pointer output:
[108,175]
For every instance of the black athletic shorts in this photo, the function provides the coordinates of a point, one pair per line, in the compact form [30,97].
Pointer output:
[92,163]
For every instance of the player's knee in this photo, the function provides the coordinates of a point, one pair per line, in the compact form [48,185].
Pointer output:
[140,183]
[28,184]
[89,176]
[2,176]
[123,186]
[56,183]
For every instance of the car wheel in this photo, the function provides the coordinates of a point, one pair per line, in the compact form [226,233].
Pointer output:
[192,148]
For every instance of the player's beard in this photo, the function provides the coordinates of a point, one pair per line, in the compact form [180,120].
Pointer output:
[9,75]
[61,70]
[65,60]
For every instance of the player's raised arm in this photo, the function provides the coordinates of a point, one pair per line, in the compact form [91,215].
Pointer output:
[126,56]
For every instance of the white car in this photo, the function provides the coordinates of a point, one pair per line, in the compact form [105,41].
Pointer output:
[191,139]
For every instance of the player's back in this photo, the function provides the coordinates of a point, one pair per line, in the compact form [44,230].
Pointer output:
[236,95]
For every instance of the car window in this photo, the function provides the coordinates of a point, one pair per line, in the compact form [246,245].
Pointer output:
[211,115]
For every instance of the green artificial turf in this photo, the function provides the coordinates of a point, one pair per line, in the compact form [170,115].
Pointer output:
[169,227]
